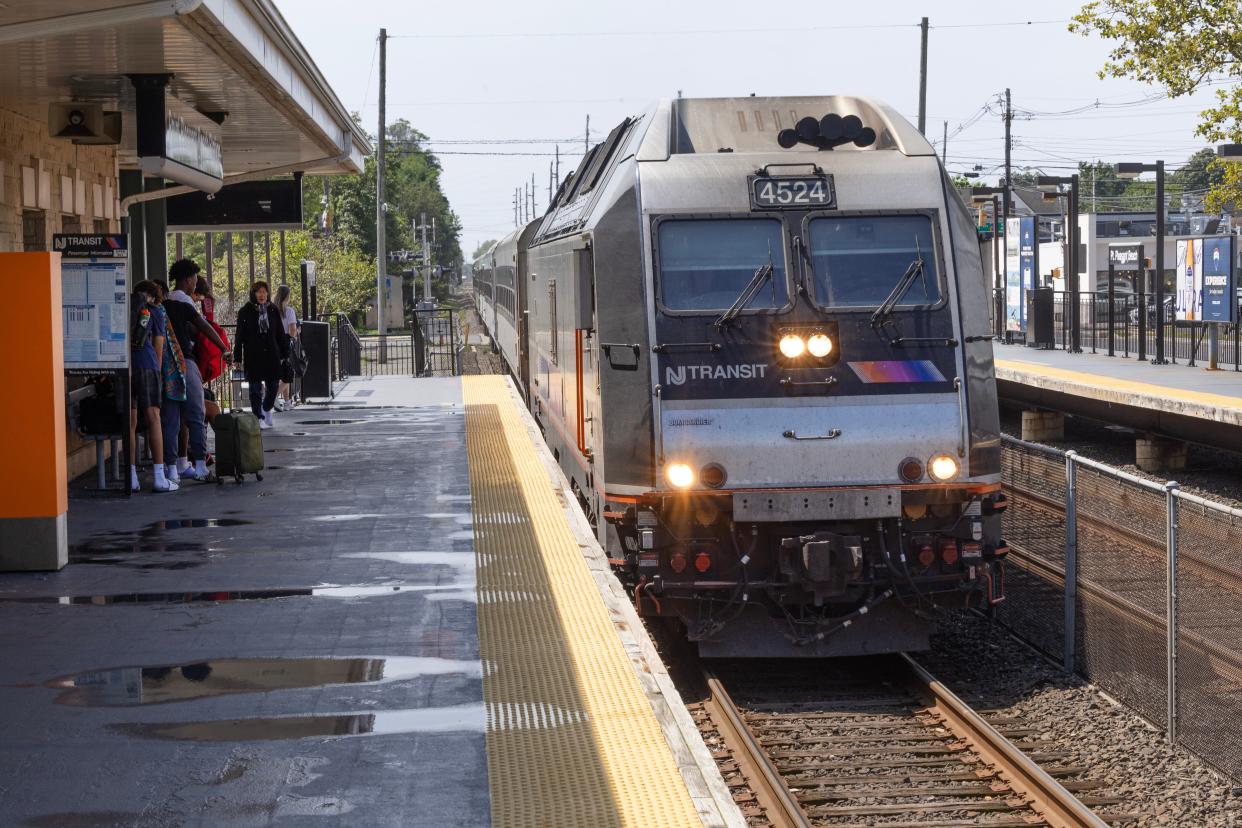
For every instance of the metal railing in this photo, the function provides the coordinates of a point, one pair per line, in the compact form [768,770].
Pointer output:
[437,342]
[1133,584]
[1130,330]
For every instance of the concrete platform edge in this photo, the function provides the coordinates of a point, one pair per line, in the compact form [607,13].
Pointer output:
[702,777]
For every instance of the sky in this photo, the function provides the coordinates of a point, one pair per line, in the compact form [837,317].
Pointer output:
[479,77]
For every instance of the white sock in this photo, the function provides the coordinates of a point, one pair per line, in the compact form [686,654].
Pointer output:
[183,463]
[170,472]
[200,468]
[133,477]
[159,474]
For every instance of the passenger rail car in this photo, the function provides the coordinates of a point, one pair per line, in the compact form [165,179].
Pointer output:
[755,334]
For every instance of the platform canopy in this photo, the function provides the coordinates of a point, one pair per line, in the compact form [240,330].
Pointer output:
[238,58]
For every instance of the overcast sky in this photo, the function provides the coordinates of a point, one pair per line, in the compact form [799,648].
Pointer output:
[471,71]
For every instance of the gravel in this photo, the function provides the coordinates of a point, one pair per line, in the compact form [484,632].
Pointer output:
[1212,473]
[1156,783]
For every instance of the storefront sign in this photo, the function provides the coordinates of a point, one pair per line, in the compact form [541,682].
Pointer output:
[94,301]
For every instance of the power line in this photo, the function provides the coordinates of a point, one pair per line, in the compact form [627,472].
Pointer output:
[747,31]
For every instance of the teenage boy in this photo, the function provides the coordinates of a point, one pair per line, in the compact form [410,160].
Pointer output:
[187,323]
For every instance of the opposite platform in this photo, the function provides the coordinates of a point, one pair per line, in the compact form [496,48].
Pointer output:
[405,623]
[1189,403]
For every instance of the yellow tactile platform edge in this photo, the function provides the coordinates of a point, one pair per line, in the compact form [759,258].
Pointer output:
[572,738]
[1097,381]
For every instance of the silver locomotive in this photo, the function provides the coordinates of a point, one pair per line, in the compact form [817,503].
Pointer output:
[754,332]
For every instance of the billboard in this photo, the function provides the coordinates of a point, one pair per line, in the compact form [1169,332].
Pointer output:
[1013,276]
[1218,281]
[1205,280]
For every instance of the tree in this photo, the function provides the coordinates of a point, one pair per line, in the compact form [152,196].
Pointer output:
[1198,175]
[481,249]
[1179,45]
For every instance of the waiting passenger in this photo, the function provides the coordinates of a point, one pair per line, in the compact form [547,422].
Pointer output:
[289,321]
[147,341]
[187,323]
[261,347]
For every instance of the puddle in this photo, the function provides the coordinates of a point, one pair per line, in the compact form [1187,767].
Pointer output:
[327,422]
[299,433]
[162,684]
[468,718]
[125,548]
[235,595]
[277,450]
[461,560]
[342,518]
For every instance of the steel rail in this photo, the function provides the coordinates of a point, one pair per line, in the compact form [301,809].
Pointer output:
[765,780]
[1046,796]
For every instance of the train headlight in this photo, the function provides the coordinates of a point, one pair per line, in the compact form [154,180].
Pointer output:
[942,467]
[679,475]
[792,346]
[820,345]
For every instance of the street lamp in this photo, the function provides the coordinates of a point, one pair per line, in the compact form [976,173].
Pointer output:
[1051,184]
[1131,171]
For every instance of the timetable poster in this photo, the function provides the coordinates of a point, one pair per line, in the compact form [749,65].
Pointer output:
[94,301]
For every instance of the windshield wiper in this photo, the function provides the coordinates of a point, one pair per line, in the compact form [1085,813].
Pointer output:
[748,293]
[913,272]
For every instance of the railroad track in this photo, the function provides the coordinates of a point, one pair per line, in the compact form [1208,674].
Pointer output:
[878,741]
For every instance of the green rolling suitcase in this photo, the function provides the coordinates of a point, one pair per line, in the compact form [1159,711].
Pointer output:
[239,445]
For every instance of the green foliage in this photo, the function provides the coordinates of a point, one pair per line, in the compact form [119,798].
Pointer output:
[1179,45]
[339,213]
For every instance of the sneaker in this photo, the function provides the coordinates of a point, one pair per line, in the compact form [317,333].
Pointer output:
[169,486]
[267,417]
[190,473]
[280,403]
[263,424]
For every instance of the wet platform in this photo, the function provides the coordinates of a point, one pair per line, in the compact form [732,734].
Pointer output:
[1174,400]
[406,623]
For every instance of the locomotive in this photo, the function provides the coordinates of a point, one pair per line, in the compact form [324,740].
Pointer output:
[754,332]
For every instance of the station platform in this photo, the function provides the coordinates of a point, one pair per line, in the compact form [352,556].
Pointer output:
[1177,401]
[406,623]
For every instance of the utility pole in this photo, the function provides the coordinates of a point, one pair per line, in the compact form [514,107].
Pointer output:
[923,81]
[534,210]
[944,146]
[557,177]
[516,223]
[381,252]
[426,265]
[550,185]
[586,137]
[1005,194]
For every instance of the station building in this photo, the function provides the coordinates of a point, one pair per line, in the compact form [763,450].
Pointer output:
[106,108]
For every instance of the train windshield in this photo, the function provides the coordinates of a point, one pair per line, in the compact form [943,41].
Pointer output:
[706,264]
[858,259]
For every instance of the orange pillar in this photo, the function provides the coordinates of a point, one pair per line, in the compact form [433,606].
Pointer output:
[34,495]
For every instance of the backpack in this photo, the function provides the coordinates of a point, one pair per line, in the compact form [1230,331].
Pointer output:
[139,321]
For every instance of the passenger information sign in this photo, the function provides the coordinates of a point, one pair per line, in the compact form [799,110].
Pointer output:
[1205,280]
[94,301]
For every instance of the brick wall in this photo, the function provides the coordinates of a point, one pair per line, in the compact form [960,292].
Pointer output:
[92,172]
[92,175]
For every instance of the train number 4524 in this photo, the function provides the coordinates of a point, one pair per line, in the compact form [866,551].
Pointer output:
[791,193]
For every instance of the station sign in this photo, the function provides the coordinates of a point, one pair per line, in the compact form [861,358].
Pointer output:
[1125,256]
[94,301]
[1205,280]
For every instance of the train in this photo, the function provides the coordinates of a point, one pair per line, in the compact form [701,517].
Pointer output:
[755,334]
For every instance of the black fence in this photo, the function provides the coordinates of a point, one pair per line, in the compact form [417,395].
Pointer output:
[1130,330]
[429,348]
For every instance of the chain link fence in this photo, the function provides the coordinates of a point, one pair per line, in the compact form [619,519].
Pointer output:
[1104,564]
